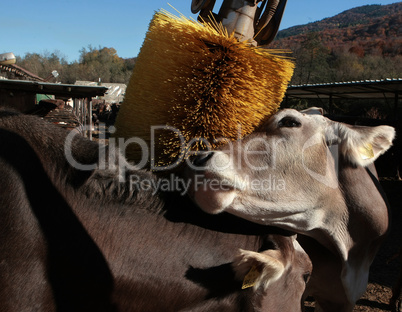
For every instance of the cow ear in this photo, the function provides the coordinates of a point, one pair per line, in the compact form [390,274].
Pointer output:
[363,145]
[257,269]
[313,111]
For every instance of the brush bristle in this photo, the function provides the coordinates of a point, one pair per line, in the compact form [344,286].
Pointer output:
[201,81]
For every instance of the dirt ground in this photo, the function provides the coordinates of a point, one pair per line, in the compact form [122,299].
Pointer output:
[384,271]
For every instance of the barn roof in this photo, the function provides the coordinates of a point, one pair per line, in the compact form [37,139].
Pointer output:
[19,71]
[63,90]
[364,89]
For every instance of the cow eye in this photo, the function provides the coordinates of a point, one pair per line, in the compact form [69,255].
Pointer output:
[306,277]
[289,122]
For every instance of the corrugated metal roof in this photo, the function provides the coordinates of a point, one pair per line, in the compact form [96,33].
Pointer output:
[363,89]
[114,94]
[65,90]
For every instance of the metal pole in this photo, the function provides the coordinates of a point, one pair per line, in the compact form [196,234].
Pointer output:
[90,117]
[83,119]
[398,146]
[330,108]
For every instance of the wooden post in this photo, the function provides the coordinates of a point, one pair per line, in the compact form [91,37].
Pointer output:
[75,110]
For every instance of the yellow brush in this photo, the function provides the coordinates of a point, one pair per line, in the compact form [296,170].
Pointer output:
[199,80]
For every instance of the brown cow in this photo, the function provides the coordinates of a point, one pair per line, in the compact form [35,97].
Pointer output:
[305,173]
[79,240]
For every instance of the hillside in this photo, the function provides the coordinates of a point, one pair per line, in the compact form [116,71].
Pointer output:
[370,29]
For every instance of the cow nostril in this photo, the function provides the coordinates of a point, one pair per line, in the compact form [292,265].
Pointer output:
[201,159]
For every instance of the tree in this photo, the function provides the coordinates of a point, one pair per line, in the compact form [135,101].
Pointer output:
[94,63]
[103,63]
[42,65]
[311,61]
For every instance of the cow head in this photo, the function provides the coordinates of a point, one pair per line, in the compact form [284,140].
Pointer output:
[285,173]
[280,274]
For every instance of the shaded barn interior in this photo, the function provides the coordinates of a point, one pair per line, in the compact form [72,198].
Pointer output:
[366,103]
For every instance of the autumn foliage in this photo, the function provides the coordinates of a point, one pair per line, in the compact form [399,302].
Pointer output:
[361,43]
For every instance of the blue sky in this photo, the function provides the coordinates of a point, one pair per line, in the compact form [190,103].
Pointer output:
[40,26]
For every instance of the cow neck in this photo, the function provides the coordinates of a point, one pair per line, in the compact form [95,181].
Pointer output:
[105,188]
[373,175]
[180,208]
[174,206]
